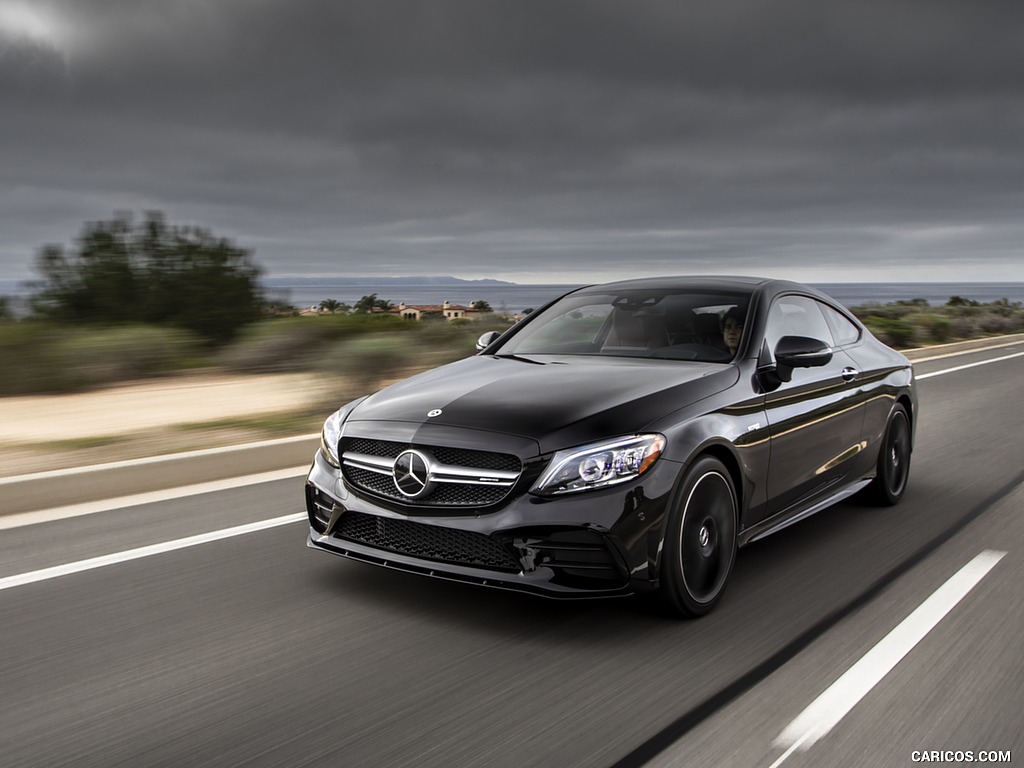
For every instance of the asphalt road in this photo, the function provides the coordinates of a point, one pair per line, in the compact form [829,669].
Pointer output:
[252,650]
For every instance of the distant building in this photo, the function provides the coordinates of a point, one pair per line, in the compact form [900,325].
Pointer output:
[448,310]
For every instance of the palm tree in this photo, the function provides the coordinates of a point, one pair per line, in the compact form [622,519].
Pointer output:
[332,306]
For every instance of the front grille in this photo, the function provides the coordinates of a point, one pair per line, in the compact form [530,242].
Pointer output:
[428,542]
[458,457]
[374,447]
[377,479]
[444,495]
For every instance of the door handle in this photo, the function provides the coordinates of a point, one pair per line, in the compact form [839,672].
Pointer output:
[849,374]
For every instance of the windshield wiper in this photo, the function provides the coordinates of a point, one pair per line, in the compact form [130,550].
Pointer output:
[520,359]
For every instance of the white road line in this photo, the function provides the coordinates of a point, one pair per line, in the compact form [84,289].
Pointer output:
[943,355]
[153,549]
[832,705]
[150,497]
[968,365]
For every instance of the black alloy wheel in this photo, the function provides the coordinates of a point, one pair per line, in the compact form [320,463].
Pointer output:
[893,468]
[700,542]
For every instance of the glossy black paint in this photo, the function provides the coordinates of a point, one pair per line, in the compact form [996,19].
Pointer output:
[794,438]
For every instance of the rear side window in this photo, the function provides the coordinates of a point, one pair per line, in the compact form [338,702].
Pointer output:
[843,330]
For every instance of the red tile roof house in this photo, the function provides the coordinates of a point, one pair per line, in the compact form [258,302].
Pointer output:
[450,311]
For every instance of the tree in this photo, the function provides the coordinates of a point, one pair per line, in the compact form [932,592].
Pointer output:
[5,309]
[481,306]
[371,303]
[333,306]
[960,301]
[150,272]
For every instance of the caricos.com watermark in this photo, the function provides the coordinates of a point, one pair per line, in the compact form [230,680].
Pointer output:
[960,756]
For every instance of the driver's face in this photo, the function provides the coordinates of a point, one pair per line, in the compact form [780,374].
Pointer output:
[731,333]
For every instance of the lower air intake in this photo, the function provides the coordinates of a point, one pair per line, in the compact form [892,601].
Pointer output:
[428,542]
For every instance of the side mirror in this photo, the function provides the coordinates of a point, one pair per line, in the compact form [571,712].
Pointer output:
[802,352]
[486,340]
[790,352]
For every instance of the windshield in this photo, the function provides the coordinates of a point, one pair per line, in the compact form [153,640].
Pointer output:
[664,324]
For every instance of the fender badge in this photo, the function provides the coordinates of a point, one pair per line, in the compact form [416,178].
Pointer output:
[433,413]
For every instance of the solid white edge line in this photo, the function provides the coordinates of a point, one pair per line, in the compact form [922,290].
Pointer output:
[162,459]
[90,507]
[968,365]
[153,549]
[793,748]
[832,705]
[1016,341]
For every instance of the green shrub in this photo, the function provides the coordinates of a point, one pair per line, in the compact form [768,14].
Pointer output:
[53,359]
[896,332]
[998,323]
[930,327]
[296,343]
[368,361]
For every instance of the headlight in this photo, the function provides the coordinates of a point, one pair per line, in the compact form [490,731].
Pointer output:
[599,465]
[331,433]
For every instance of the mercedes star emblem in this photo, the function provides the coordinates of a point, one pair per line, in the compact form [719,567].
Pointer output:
[412,474]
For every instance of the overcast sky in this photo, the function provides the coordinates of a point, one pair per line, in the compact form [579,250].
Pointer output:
[530,140]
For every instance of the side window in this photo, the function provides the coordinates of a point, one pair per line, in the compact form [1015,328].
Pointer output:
[796,316]
[843,330]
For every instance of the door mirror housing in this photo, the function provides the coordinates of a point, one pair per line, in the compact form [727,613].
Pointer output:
[486,340]
[802,352]
[790,352]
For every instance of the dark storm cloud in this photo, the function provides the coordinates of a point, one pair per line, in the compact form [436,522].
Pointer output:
[528,139]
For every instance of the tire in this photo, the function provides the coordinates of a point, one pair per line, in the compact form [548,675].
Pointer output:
[700,540]
[893,468]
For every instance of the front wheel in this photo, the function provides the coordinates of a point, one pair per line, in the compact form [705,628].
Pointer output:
[893,467]
[700,541]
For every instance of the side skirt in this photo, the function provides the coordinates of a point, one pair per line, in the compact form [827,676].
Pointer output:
[788,517]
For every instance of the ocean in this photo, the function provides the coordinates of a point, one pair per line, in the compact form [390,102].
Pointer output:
[517,297]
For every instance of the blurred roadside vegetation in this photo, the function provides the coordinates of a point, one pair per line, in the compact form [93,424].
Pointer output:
[136,298]
[361,351]
[914,323]
[142,299]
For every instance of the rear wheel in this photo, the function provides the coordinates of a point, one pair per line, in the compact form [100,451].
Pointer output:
[893,468]
[700,542]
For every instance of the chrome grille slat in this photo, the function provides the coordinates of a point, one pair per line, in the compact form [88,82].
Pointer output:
[480,478]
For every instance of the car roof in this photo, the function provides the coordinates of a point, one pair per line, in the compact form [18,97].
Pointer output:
[766,286]
[701,282]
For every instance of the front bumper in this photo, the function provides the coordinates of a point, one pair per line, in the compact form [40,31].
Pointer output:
[594,544]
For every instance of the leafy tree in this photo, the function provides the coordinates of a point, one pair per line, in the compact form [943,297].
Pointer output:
[333,306]
[481,306]
[150,272]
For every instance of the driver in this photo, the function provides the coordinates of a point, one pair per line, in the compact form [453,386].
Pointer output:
[732,328]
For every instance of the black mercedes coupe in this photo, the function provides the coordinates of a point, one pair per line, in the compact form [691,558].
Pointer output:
[624,438]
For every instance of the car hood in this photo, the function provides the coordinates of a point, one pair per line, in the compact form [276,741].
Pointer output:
[555,401]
